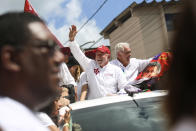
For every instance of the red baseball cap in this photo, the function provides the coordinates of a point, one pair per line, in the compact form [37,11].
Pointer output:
[103,49]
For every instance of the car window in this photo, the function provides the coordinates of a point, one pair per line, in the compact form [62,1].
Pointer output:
[122,116]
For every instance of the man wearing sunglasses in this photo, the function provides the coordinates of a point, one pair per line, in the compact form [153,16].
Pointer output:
[29,66]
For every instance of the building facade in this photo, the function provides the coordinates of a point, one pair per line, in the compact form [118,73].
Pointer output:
[147,27]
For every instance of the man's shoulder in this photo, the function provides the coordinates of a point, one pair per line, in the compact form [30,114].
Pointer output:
[135,60]
[140,61]
[63,68]
[83,75]
[63,65]
[93,63]
[12,108]
[16,115]
[115,62]
[114,67]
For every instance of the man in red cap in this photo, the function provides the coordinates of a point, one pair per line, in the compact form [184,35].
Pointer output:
[103,78]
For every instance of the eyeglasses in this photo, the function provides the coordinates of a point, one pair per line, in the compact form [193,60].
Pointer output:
[46,47]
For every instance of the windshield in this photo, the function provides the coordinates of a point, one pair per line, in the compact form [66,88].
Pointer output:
[122,116]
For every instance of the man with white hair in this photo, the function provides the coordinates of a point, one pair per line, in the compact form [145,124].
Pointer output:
[104,79]
[130,66]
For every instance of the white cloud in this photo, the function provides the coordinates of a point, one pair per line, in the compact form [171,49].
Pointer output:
[47,8]
[69,11]
[73,10]
[60,33]
[90,32]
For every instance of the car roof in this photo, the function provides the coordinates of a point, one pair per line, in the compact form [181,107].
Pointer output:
[116,99]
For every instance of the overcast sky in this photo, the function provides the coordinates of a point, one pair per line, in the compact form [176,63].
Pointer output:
[60,14]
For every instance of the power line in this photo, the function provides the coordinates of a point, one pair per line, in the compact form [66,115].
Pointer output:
[90,18]
[86,43]
[93,15]
[96,42]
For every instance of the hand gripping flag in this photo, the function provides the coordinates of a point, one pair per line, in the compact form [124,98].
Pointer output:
[158,66]
[29,8]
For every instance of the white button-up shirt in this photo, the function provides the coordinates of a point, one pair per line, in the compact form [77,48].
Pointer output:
[101,81]
[133,68]
[45,119]
[65,76]
[83,81]
[14,116]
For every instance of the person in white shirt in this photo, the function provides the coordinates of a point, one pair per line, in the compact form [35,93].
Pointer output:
[47,121]
[130,66]
[74,68]
[16,116]
[103,78]
[67,81]
[65,76]
[82,85]
[29,66]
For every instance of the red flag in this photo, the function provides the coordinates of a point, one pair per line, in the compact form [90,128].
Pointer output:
[29,8]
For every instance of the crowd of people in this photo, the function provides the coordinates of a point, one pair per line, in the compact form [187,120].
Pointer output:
[39,81]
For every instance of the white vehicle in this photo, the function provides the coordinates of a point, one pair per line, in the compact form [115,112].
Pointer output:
[141,112]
